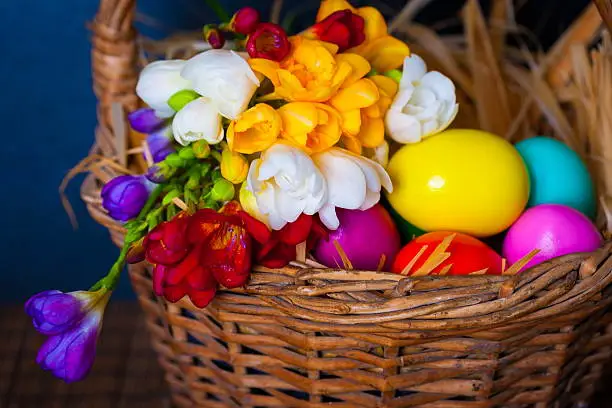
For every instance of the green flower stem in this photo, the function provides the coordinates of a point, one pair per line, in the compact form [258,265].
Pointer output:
[109,282]
[219,10]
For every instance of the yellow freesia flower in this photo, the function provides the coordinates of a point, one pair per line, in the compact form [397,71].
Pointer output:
[254,130]
[234,166]
[362,107]
[313,126]
[313,71]
[383,51]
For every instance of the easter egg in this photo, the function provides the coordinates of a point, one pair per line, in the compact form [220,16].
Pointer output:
[557,175]
[364,236]
[466,180]
[468,254]
[553,229]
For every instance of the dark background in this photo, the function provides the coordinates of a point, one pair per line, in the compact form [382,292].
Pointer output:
[47,112]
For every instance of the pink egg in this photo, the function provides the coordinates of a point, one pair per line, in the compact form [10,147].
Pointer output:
[364,236]
[553,229]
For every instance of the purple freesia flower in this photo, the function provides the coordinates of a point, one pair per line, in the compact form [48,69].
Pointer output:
[145,121]
[54,312]
[72,321]
[160,144]
[124,196]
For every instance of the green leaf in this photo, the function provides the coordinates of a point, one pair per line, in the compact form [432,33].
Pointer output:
[167,200]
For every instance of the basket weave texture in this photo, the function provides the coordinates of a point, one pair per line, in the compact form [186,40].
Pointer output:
[306,336]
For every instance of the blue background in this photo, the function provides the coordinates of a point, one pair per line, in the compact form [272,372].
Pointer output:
[48,118]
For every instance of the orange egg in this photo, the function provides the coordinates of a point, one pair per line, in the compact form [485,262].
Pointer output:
[468,254]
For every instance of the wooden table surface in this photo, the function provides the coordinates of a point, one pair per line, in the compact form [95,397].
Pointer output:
[125,375]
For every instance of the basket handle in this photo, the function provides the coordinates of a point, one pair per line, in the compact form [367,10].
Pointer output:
[114,58]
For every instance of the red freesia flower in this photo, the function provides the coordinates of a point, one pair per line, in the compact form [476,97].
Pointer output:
[268,41]
[194,253]
[280,249]
[167,243]
[343,28]
[245,20]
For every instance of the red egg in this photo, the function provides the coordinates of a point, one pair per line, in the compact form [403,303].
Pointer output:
[468,254]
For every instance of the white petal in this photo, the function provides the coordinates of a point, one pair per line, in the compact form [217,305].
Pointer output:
[402,128]
[402,98]
[196,121]
[289,208]
[429,127]
[224,77]
[441,85]
[449,115]
[414,69]
[160,80]
[346,184]
[329,218]
[372,198]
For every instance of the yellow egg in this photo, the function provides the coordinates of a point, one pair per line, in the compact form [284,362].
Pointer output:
[459,180]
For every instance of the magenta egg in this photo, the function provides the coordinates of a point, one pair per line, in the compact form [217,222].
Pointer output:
[553,229]
[364,236]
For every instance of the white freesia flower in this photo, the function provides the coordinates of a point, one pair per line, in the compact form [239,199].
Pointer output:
[223,76]
[160,80]
[286,183]
[353,182]
[198,120]
[424,105]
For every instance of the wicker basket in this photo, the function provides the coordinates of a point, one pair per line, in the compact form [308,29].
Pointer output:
[305,336]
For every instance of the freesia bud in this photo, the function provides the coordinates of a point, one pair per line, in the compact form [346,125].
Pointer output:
[214,37]
[234,166]
[160,144]
[124,196]
[160,80]
[145,120]
[424,105]
[201,149]
[182,98]
[223,190]
[223,77]
[353,182]
[343,28]
[268,41]
[72,322]
[198,120]
[245,20]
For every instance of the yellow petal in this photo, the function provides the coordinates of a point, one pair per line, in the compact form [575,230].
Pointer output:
[361,94]
[351,122]
[386,53]
[375,25]
[373,111]
[385,84]
[298,120]
[352,144]
[343,71]
[360,67]
[254,130]
[330,6]
[372,132]
[265,67]
[289,82]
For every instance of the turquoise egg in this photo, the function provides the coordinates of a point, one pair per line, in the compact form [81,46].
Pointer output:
[557,175]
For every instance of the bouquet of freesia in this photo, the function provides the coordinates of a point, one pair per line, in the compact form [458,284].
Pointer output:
[270,146]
